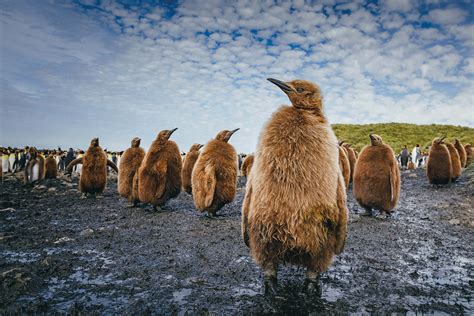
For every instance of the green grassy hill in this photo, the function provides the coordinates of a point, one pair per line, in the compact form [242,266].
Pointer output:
[399,134]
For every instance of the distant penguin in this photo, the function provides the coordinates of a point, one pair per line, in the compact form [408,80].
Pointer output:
[294,209]
[34,170]
[94,169]
[439,169]
[51,167]
[461,152]
[189,162]
[456,167]
[5,161]
[159,175]
[214,177]
[130,161]
[247,165]
[11,161]
[469,155]
[352,159]
[344,165]
[377,177]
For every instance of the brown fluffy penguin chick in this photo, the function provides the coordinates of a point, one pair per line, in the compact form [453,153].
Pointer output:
[344,165]
[34,169]
[189,162]
[128,171]
[468,149]
[377,177]
[439,169]
[456,167]
[247,165]
[94,169]
[294,209]
[214,177]
[159,176]
[51,168]
[461,151]
[352,159]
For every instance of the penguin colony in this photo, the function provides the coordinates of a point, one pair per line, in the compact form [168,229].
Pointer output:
[294,210]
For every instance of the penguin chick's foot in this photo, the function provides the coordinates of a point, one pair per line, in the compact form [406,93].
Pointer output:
[270,283]
[157,208]
[368,212]
[312,285]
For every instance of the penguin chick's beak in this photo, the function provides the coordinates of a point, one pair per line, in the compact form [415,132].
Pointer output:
[172,131]
[200,146]
[280,84]
[233,131]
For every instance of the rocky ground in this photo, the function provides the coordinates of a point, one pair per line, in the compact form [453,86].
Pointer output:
[61,253]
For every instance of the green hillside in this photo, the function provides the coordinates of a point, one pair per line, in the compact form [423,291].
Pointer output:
[399,134]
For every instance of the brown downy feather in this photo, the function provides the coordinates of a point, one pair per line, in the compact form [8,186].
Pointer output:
[247,165]
[189,162]
[439,169]
[344,165]
[295,203]
[128,170]
[352,159]
[469,155]
[456,167]
[51,168]
[461,152]
[214,177]
[159,176]
[377,177]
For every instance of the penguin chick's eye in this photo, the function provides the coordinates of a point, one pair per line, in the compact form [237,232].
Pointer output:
[299,89]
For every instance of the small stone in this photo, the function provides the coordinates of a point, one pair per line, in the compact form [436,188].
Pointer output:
[40,187]
[9,209]
[412,175]
[52,190]
[86,232]
[454,221]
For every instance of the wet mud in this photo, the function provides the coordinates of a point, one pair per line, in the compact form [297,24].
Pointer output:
[62,253]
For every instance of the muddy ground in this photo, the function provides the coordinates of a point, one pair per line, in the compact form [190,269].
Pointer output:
[61,253]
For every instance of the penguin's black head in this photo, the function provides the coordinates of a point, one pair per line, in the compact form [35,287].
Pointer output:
[302,94]
[166,134]
[136,142]
[225,134]
[95,142]
[375,139]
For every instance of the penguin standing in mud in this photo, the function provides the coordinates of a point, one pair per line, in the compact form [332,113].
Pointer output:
[456,167]
[294,209]
[159,175]
[34,169]
[461,152]
[344,165]
[247,165]
[189,162]
[51,167]
[94,169]
[352,159]
[214,177]
[468,149]
[439,169]
[377,177]
[130,161]
[5,161]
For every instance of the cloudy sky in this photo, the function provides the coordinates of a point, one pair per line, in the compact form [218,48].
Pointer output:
[74,70]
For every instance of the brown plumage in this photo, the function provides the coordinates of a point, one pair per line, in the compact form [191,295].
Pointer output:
[469,156]
[455,162]
[344,165]
[461,152]
[439,169]
[51,167]
[34,169]
[247,165]
[377,177]
[214,177]
[352,159]
[411,165]
[295,209]
[159,176]
[94,169]
[189,162]
[128,171]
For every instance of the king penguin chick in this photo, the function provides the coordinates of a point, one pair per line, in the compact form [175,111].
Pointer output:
[344,164]
[439,169]
[352,159]
[34,170]
[294,209]
[130,161]
[94,169]
[461,151]
[189,162]
[469,155]
[51,167]
[214,177]
[456,167]
[159,175]
[377,177]
[247,165]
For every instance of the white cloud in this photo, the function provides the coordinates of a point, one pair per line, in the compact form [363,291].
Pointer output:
[448,16]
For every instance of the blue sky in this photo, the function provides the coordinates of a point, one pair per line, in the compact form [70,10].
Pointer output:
[74,70]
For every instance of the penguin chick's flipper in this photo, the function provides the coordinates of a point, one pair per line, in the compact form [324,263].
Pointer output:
[245,213]
[209,181]
[72,164]
[343,215]
[112,165]
[392,185]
